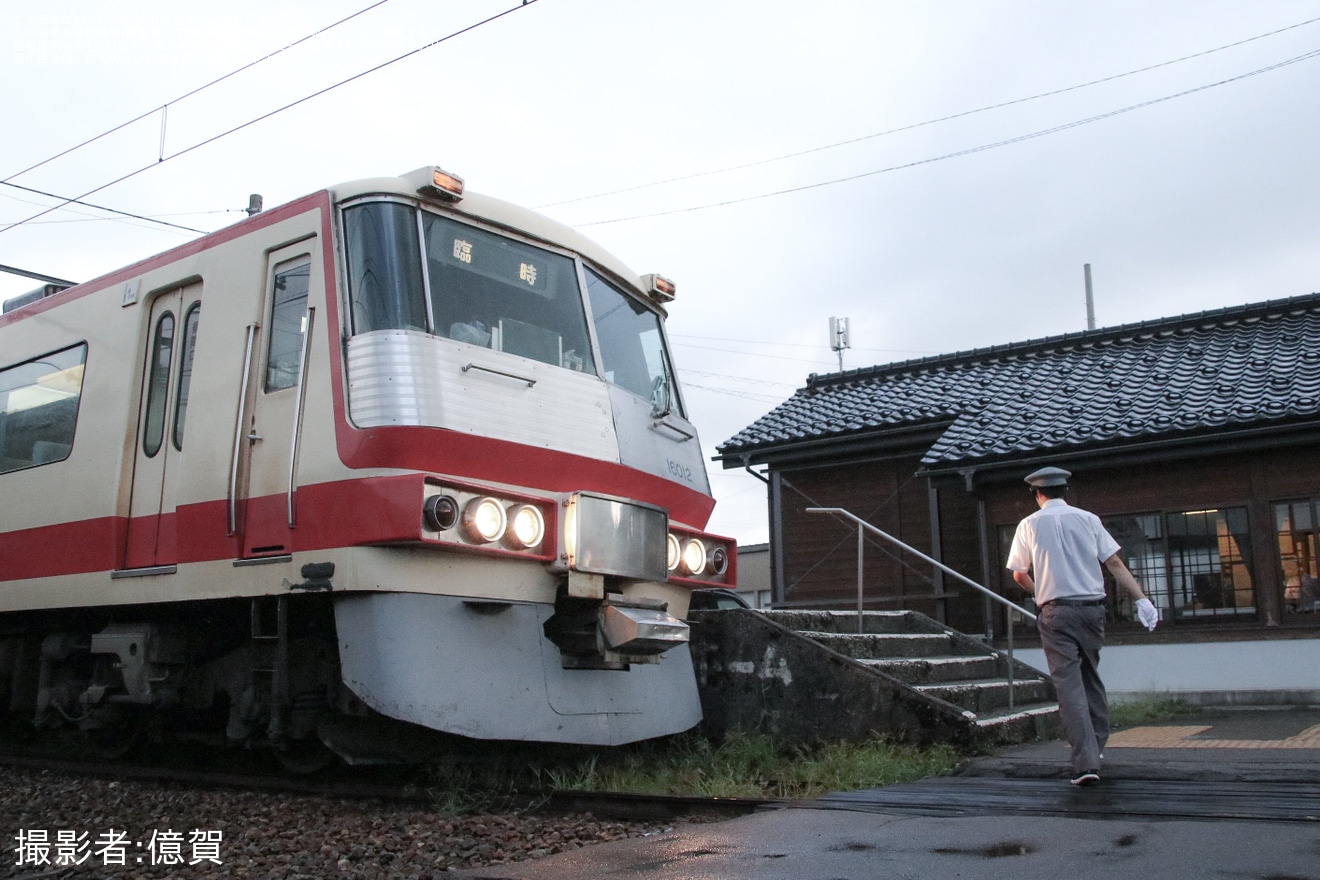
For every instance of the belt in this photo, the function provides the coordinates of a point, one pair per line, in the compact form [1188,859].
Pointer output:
[1087,603]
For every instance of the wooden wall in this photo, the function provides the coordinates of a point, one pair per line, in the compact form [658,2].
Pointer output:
[819,553]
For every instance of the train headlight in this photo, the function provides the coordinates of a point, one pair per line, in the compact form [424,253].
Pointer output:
[605,535]
[484,519]
[440,513]
[694,556]
[526,526]
[672,552]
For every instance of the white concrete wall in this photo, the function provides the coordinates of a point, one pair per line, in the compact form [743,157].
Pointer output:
[1284,670]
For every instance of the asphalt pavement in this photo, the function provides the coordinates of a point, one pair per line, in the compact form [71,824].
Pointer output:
[1231,793]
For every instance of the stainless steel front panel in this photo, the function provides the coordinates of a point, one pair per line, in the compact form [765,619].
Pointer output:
[401,377]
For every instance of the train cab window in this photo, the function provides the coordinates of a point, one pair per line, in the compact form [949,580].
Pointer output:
[632,345]
[39,408]
[158,383]
[288,323]
[190,322]
[498,293]
[384,267]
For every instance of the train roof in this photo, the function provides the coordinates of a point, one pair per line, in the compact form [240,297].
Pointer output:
[495,211]
[410,185]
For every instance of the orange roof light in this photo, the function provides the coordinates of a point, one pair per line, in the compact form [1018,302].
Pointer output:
[446,185]
[659,288]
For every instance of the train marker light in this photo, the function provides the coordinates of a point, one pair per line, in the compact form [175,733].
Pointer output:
[440,513]
[659,288]
[445,185]
[484,519]
[672,551]
[694,556]
[718,560]
[526,526]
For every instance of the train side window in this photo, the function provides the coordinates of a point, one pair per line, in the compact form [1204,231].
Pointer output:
[162,354]
[39,408]
[190,322]
[288,323]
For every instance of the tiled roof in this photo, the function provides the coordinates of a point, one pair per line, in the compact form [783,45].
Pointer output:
[1244,367]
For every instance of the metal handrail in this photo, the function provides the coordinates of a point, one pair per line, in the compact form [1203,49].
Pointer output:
[864,526]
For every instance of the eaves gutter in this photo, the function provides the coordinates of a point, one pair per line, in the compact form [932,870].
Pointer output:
[1132,452]
[907,438]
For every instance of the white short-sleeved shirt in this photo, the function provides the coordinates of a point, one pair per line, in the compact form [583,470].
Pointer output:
[1064,547]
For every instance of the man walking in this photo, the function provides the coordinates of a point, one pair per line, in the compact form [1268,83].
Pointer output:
[1056,556]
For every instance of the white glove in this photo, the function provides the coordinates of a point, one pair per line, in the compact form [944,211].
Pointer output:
[1147,614]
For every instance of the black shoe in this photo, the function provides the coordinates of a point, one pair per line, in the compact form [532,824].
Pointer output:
[1090,777]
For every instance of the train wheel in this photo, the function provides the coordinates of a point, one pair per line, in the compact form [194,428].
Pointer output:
[114,740]
[304,756]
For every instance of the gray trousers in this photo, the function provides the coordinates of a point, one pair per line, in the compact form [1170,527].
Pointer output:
[1071,637]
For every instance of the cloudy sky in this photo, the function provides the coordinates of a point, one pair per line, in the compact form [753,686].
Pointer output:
[937,172]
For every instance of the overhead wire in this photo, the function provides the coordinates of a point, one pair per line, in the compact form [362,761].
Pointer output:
[746,395]
[199,89]
[79,201]
[960,115]
[1306,56]
[778,344]
[523,4]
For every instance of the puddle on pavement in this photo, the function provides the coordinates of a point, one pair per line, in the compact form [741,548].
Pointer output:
[994,851]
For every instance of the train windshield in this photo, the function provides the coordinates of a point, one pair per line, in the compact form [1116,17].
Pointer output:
[510,296]
[632,345]
[456,281]
[464,283]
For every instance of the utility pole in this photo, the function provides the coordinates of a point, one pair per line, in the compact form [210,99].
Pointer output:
[839,337]
[1090,298]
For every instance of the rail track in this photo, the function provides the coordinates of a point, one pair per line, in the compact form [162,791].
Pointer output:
[407,786]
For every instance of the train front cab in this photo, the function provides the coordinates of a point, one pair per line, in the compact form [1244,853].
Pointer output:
[264,473]
[526,382]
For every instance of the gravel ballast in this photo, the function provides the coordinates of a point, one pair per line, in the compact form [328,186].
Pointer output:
[65,826]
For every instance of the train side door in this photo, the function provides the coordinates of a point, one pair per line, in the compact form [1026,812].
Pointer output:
[167,378]
[274,424]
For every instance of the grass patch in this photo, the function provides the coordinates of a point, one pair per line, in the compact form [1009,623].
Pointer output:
[748,767]
[1151,710]
[509,776]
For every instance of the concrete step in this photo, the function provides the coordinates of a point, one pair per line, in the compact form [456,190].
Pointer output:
[905,674]
[869,646]
[988,696]
[935,670]
[1024,723]
[842,621]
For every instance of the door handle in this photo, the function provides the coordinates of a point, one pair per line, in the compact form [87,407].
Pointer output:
[253,437]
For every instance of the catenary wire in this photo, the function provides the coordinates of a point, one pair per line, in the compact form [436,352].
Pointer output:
[746,395]
[678,336]
[163,159]
[79,201]
[195,91]
[1306,56]
[916,125]
[778,357]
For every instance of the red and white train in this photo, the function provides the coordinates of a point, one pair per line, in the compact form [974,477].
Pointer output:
[391,452]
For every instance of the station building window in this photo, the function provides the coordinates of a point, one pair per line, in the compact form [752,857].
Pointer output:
[1194,565]
[1295,530]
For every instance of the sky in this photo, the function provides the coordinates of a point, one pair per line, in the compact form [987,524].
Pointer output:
[936,171]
